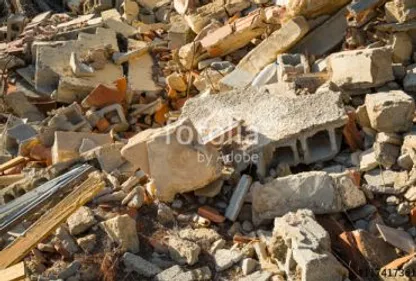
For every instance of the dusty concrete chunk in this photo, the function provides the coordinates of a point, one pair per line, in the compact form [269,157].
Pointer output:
[204,237]
[361,69]
[325,37]
[183,251]
[87,243]
[160,152]
[22,107]
[312,190]
[390,112]
[67,144]
[368,160]
[52,61]
[140,265]
[81,220]
[249,265]
[141,67]
[224,259]
[265,53]
[402,47]
[122,230]
[274,122]
[300,242]
[169,274]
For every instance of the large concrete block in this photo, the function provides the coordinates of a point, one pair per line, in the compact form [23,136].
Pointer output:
[275,124]
[52,60]
[266,52]
[361,68]
[390,112]
[314,190]
[317,191]
[175,158]
[67,144]
[303,249]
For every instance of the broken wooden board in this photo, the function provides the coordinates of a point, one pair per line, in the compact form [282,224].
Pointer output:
[14,273]
[51,220]
[12,163]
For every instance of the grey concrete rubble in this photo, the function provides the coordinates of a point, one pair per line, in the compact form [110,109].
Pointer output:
[303,248]
[317,191]
[195,140]
[274,125]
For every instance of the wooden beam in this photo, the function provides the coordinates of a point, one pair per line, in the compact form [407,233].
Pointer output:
[14,273]
[51,220]
[12,163]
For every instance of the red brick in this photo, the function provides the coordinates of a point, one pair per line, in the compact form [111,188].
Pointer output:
[351,134]
[211,214]
[102,96]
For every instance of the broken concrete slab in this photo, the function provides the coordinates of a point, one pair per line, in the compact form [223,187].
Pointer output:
[361,68]
[325,37]
[316,191]
[52,60]
[171,147]
[300,242]
[18,102]
[265,53]
[273,122]
[390,112]
[66,145]
[141,67]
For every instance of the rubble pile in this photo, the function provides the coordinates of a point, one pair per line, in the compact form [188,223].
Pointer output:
[208,140]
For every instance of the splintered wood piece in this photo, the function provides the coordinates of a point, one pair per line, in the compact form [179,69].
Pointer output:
[51,220]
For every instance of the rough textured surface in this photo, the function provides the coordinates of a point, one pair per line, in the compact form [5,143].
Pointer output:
[183,251]
[81,220]
[274,117]
[122,229]
[361,68]
[299,241]
[390,112]
[140,265]
[175,160]
[313,190]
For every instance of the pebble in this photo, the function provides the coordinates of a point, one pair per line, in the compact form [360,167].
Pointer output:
[249,265]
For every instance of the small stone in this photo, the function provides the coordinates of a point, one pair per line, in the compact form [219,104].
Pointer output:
[122,230]
[219,244]
[81,220]
[247,226]
[362,212]
[183,251]
[404,208]
[176,82]
[165,214]
[392,200]
[397,219]
[224,259]
[177,204]
[249,265]
[412,231]
[361,224]
[71,270]
[140,265]
[87,243]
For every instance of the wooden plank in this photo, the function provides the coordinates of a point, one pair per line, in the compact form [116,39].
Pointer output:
[14,273]
[9,179]
[51,220]
[11,163]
